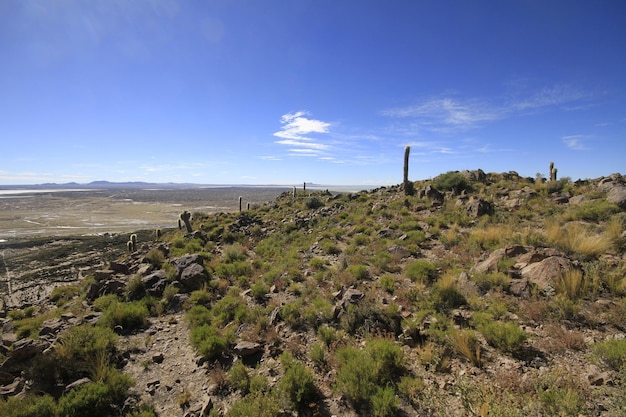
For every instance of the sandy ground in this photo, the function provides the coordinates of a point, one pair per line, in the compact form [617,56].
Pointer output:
[82,212]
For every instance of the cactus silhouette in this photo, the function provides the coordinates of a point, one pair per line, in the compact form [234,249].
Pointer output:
[185,216]
[408,186]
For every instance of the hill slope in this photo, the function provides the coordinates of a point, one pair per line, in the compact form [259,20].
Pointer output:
[481,294]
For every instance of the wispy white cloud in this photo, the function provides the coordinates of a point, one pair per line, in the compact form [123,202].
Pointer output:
[447,111]
[575,142]
[296,126]
[307,145]
[556,95]
[295,133]
[451,114]
[270,158]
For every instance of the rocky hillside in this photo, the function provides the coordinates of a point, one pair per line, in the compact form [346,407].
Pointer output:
[470,294]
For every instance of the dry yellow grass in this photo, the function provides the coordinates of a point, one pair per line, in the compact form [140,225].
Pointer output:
[576,238]
[571,283]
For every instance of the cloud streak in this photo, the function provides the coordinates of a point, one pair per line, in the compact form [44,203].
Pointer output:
[575,142]
[449,114]
[295,133]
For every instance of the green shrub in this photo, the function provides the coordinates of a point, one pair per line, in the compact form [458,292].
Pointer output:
[135,289]
[361,372]
[357,374]
[314,203]
[256,404]
[561,401]
[198,315]
[84,344]
[329,247]
[155,257]
[259,291]
[28,327]
[209,341]
[508,337]
[451,181]
[30,406]
[421,270]
[61,295]
[103,302]
[297,382]
[317,354]
[230,308]
[387,282]
[612,352]
[359,272]
[446,294]
[491,280]
[200,297]
[384,402]
[239,377]
[593,211]
[129,316]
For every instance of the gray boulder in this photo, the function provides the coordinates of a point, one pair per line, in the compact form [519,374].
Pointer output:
[617,195]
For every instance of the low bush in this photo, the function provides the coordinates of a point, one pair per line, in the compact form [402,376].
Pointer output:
[63,294]
[208,341]
[130,316]
[361,372]
[612,352]
[384,402]
[297,383]
[507,337]
[421,270]
[29,406]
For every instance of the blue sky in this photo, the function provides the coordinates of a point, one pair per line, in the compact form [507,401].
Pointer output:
[324,91]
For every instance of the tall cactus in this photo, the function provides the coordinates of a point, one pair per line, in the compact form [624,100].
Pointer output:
[408,186]
[157,234]
[185,217]
[239,204]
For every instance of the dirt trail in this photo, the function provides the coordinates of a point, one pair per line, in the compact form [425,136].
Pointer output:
[163,365]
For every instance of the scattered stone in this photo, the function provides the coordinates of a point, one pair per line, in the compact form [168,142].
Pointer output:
[600,378]
[617,195]
[158,358]
[351,296]
[77,384]
[246,348]
[12,388]
[193,277]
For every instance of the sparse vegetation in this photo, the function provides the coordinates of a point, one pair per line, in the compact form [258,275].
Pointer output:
[399,303]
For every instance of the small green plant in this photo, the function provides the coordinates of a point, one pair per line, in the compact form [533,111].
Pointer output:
[297,383]
[239,377]
[384,402]
[508,337]
[314,203]
[359,272]
[155,257]
[421,270]
[63,294]
[387,282]
[209,341]
[451,181]
[129,316]
[612,352]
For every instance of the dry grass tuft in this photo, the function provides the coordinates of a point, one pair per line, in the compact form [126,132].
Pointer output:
[571,284]
[465,343]
[575,238]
